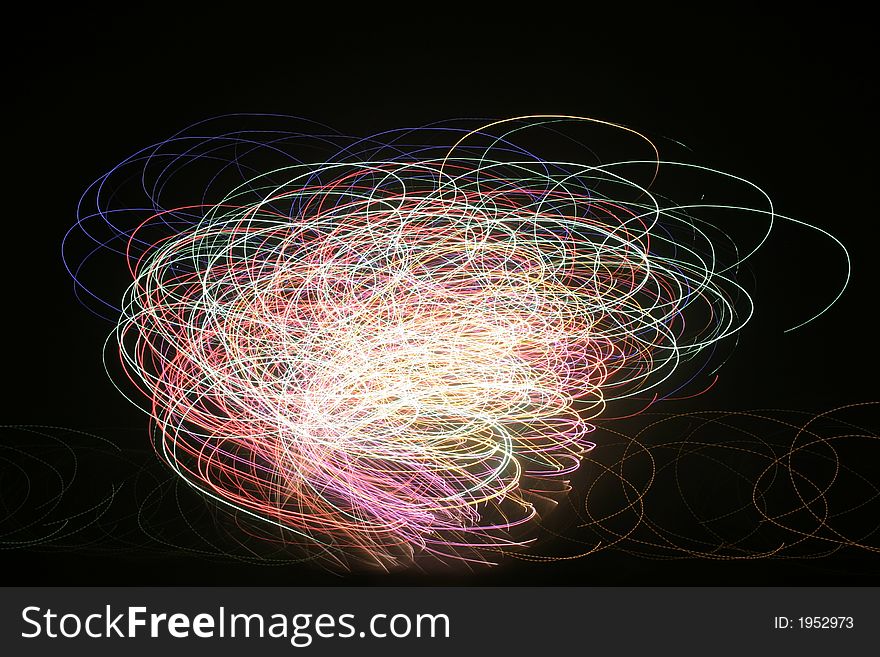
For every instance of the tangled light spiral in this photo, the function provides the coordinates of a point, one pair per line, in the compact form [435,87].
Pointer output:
[397,351]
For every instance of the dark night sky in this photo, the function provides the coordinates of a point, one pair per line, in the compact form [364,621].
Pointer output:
[781,101]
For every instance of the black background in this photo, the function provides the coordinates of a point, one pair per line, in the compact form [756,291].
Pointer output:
[785,101]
